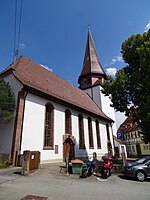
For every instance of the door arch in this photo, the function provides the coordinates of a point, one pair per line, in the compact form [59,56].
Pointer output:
[68,148]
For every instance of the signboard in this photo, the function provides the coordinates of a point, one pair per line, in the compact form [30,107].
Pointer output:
[119,135]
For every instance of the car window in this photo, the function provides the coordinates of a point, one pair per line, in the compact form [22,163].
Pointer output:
[148,163]
[142,161]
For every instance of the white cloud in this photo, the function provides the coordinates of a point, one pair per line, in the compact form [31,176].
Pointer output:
[116,59]
[46,67]
[111,71]
[147,27]
[22,46]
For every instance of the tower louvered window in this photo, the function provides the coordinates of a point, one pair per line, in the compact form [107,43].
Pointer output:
[49,126]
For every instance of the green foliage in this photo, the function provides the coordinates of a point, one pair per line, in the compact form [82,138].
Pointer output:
[130,89]
[4,161]
[7,102]
[5,164]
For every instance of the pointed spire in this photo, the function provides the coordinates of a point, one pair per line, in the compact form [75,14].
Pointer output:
[91,65]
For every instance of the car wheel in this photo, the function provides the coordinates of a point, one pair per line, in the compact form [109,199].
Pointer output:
[140,176]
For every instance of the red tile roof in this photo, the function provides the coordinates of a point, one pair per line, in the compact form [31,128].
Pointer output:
[126,125]
[40,79]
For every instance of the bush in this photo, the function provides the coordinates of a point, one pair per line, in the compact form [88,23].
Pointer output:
[4,160]
[5,164]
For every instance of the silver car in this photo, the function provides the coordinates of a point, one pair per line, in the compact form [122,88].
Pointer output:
[139,169]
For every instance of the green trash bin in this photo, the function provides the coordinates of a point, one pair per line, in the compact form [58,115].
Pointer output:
[77,166]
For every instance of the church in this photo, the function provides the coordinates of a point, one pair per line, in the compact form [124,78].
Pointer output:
[52,114]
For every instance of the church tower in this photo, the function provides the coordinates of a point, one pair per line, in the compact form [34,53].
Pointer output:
[92,72]
[92,78]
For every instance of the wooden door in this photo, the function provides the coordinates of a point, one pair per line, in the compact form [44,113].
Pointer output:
[68,148]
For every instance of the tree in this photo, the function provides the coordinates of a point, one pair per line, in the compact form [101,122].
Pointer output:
[7,102]
[130,90]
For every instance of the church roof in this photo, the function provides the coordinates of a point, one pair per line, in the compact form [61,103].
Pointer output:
[42,81]
[91,64]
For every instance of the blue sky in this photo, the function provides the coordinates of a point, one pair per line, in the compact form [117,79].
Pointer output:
[54,32]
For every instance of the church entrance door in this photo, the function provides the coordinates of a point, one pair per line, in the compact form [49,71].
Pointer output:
[68,148]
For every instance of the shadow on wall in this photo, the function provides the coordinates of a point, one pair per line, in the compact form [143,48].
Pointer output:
[80,152]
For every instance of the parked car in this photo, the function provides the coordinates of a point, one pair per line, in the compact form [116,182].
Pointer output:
[139,169]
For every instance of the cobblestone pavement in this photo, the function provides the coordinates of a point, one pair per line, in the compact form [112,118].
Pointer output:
[47,169]
[50,169]
[48,182]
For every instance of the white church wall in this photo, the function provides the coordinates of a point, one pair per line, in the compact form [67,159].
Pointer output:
[33,130]
[88,91]
[104,103]
[108,110]
[33,124]
[6,130]
[103,136]
[97,96]
[15,85]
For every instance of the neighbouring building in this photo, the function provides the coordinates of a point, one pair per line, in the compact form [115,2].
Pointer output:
[55,117]
[132,138]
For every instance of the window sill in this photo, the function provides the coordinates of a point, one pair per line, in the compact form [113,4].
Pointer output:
[83,148]
[91,147]
[48,148]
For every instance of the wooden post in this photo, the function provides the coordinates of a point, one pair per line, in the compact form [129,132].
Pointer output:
[25,163]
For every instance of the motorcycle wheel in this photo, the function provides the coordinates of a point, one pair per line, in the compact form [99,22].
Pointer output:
[106,174]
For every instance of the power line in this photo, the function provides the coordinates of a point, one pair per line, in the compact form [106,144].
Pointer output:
[20,17]
[17,28]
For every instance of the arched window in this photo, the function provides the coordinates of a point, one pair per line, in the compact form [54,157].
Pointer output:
[68,125]
[107,130]
[81,132]
[49,126]
[98,135]
[91,144]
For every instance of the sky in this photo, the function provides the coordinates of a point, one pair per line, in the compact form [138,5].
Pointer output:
[53,33]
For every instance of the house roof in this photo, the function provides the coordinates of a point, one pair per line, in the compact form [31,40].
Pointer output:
[126,127]
[34,76]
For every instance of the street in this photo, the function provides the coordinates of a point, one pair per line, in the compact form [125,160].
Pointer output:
[16,187]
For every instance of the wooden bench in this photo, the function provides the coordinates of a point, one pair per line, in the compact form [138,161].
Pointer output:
[62,167]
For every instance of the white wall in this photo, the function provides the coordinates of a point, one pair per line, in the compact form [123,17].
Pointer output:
[33,130]
[104,103]
[6,130]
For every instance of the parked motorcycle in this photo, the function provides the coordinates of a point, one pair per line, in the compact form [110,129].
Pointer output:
[88,169]
[107,166]
[92,167]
